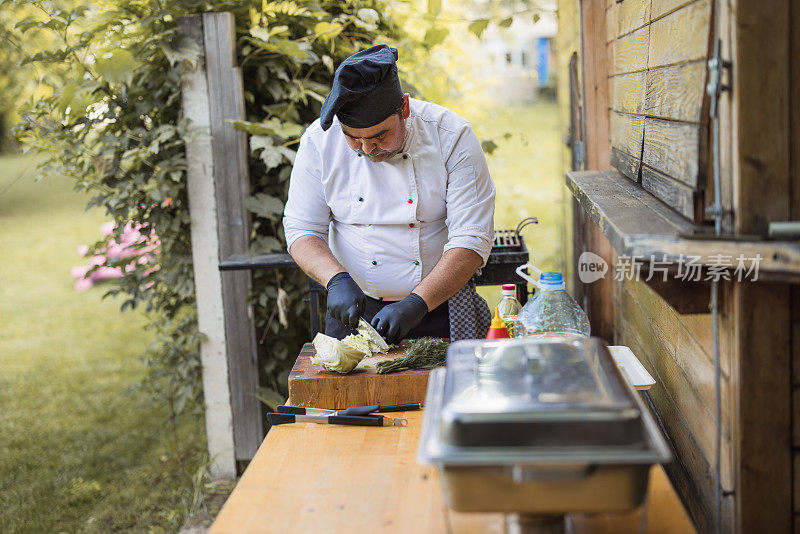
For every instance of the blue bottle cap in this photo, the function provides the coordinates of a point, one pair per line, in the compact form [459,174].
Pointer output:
[552,280]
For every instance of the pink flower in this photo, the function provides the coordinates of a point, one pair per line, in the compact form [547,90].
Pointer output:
[142,249]
[108,228]
[82,284]
[78,272]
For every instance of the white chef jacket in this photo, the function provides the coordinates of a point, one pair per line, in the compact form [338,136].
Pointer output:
[388,223]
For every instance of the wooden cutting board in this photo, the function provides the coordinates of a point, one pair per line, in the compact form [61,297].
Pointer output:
[313,387]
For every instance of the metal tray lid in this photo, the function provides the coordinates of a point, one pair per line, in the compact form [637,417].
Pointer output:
[434,449]
[545,392]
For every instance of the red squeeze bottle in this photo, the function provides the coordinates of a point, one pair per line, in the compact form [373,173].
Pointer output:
[498,328]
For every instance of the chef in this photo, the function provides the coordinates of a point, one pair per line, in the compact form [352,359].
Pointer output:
[391,207]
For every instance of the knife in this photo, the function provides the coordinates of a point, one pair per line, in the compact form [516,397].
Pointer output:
[353,410]
[357,420]
[366,330]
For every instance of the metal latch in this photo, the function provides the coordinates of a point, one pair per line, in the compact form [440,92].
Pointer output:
[578,151]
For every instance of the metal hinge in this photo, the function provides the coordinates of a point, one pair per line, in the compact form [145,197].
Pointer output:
[714,87]
[716,210]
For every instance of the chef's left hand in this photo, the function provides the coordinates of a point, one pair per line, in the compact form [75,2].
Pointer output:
[396,320]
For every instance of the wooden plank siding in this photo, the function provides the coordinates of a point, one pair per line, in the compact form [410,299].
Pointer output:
[627,133]
[690,473]
[629,93]
[630,51]
[687,376]
[673,148]
[632,15]
[660,8]
[676,92]
[659,74]
[672,192]
[681,36]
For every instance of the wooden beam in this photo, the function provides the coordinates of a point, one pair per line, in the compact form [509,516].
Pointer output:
[595,84]
[231,180]
[764,485]
[612,22]
[205,257]
[762,105]
[794,106]
[596,65]
[763,192]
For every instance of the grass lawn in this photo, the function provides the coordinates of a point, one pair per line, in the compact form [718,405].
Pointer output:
[529,178]
[79,452]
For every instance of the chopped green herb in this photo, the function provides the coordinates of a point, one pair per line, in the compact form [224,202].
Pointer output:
[424,353]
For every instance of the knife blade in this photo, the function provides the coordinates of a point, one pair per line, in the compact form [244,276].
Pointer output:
[353,410]
[356,420]
[366,330]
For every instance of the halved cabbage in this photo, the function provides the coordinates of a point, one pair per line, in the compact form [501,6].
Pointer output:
[340,356]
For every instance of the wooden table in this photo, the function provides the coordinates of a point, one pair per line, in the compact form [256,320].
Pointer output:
[315,478]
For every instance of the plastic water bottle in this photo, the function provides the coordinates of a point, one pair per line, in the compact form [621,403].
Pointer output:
[551,311]
[509,307]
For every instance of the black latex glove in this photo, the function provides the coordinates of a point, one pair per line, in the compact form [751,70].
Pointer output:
[396,320]
[346,301]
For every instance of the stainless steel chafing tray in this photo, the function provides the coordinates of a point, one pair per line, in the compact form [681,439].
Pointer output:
[538,426]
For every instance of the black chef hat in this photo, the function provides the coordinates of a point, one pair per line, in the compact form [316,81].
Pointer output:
[366,89]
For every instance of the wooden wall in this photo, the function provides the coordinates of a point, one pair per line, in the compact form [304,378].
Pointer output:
[657,52]
[657,115]
[678,351]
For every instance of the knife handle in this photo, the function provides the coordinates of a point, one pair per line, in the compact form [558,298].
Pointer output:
[400,407]
[358,420]
[297,410]
[280,418]
[360,410]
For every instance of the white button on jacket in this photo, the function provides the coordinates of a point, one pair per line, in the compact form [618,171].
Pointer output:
[388,223]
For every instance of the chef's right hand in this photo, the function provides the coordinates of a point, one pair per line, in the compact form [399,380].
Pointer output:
[346,301]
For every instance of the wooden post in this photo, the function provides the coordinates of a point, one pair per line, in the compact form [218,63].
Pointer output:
[218,183]
[763,194]
[597,297]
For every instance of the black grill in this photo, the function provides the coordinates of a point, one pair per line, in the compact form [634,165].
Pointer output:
[508,253]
